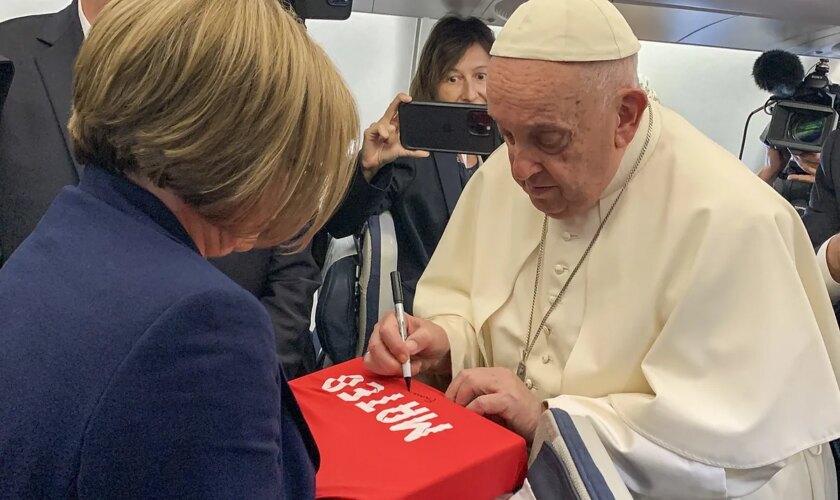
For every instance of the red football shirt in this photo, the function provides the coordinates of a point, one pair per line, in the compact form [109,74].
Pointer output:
[377,441]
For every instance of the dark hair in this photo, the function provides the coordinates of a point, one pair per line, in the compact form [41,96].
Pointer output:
[446,45]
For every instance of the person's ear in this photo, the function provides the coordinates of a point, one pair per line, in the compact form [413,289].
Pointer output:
[632,105]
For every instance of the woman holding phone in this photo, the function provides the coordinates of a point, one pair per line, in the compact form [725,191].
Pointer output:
[418,188]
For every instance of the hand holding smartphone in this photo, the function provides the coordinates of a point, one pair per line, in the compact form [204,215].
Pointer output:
[382,141]
[448,128]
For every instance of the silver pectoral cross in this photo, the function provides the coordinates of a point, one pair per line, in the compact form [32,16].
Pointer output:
[520,370]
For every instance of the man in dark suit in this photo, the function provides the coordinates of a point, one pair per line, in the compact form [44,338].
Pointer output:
[36,162]
[822,217]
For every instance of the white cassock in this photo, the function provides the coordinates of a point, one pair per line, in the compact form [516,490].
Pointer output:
[698,336]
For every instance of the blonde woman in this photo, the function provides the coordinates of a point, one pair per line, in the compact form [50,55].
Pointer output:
[130,367]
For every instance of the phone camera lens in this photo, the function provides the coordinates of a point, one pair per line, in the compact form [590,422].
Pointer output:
[479,123]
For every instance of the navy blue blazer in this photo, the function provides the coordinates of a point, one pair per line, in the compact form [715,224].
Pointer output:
[130,367]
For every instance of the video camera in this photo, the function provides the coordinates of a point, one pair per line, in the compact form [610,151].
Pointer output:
[804,109]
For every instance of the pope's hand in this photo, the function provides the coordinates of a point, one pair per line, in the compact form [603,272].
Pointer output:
[498,394]
[427,345]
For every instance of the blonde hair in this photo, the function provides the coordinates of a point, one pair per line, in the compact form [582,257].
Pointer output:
[226,103]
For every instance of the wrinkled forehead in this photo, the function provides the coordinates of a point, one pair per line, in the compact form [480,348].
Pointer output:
[521,91]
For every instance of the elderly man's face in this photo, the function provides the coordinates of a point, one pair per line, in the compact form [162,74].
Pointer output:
[561,138]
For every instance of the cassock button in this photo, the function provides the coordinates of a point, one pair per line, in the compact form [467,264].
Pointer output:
[547,331]
[546,359]
[560,268]
[567,236]
[529,384]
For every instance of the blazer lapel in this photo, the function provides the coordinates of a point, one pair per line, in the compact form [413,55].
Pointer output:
[62,37]
[450,180]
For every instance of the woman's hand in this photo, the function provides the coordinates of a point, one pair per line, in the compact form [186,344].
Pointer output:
[382,141]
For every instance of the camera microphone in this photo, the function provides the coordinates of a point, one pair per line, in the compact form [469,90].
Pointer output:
[779,73]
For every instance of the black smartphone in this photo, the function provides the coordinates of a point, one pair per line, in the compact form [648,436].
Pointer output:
[338,10]
[448,128]
[7,72]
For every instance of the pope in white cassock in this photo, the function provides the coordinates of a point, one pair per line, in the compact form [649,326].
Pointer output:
[612,261]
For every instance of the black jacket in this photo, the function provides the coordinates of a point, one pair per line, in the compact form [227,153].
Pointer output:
[822,217]
[421,195]
[36,161]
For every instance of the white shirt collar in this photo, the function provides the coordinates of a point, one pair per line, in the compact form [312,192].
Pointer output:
[84,20]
